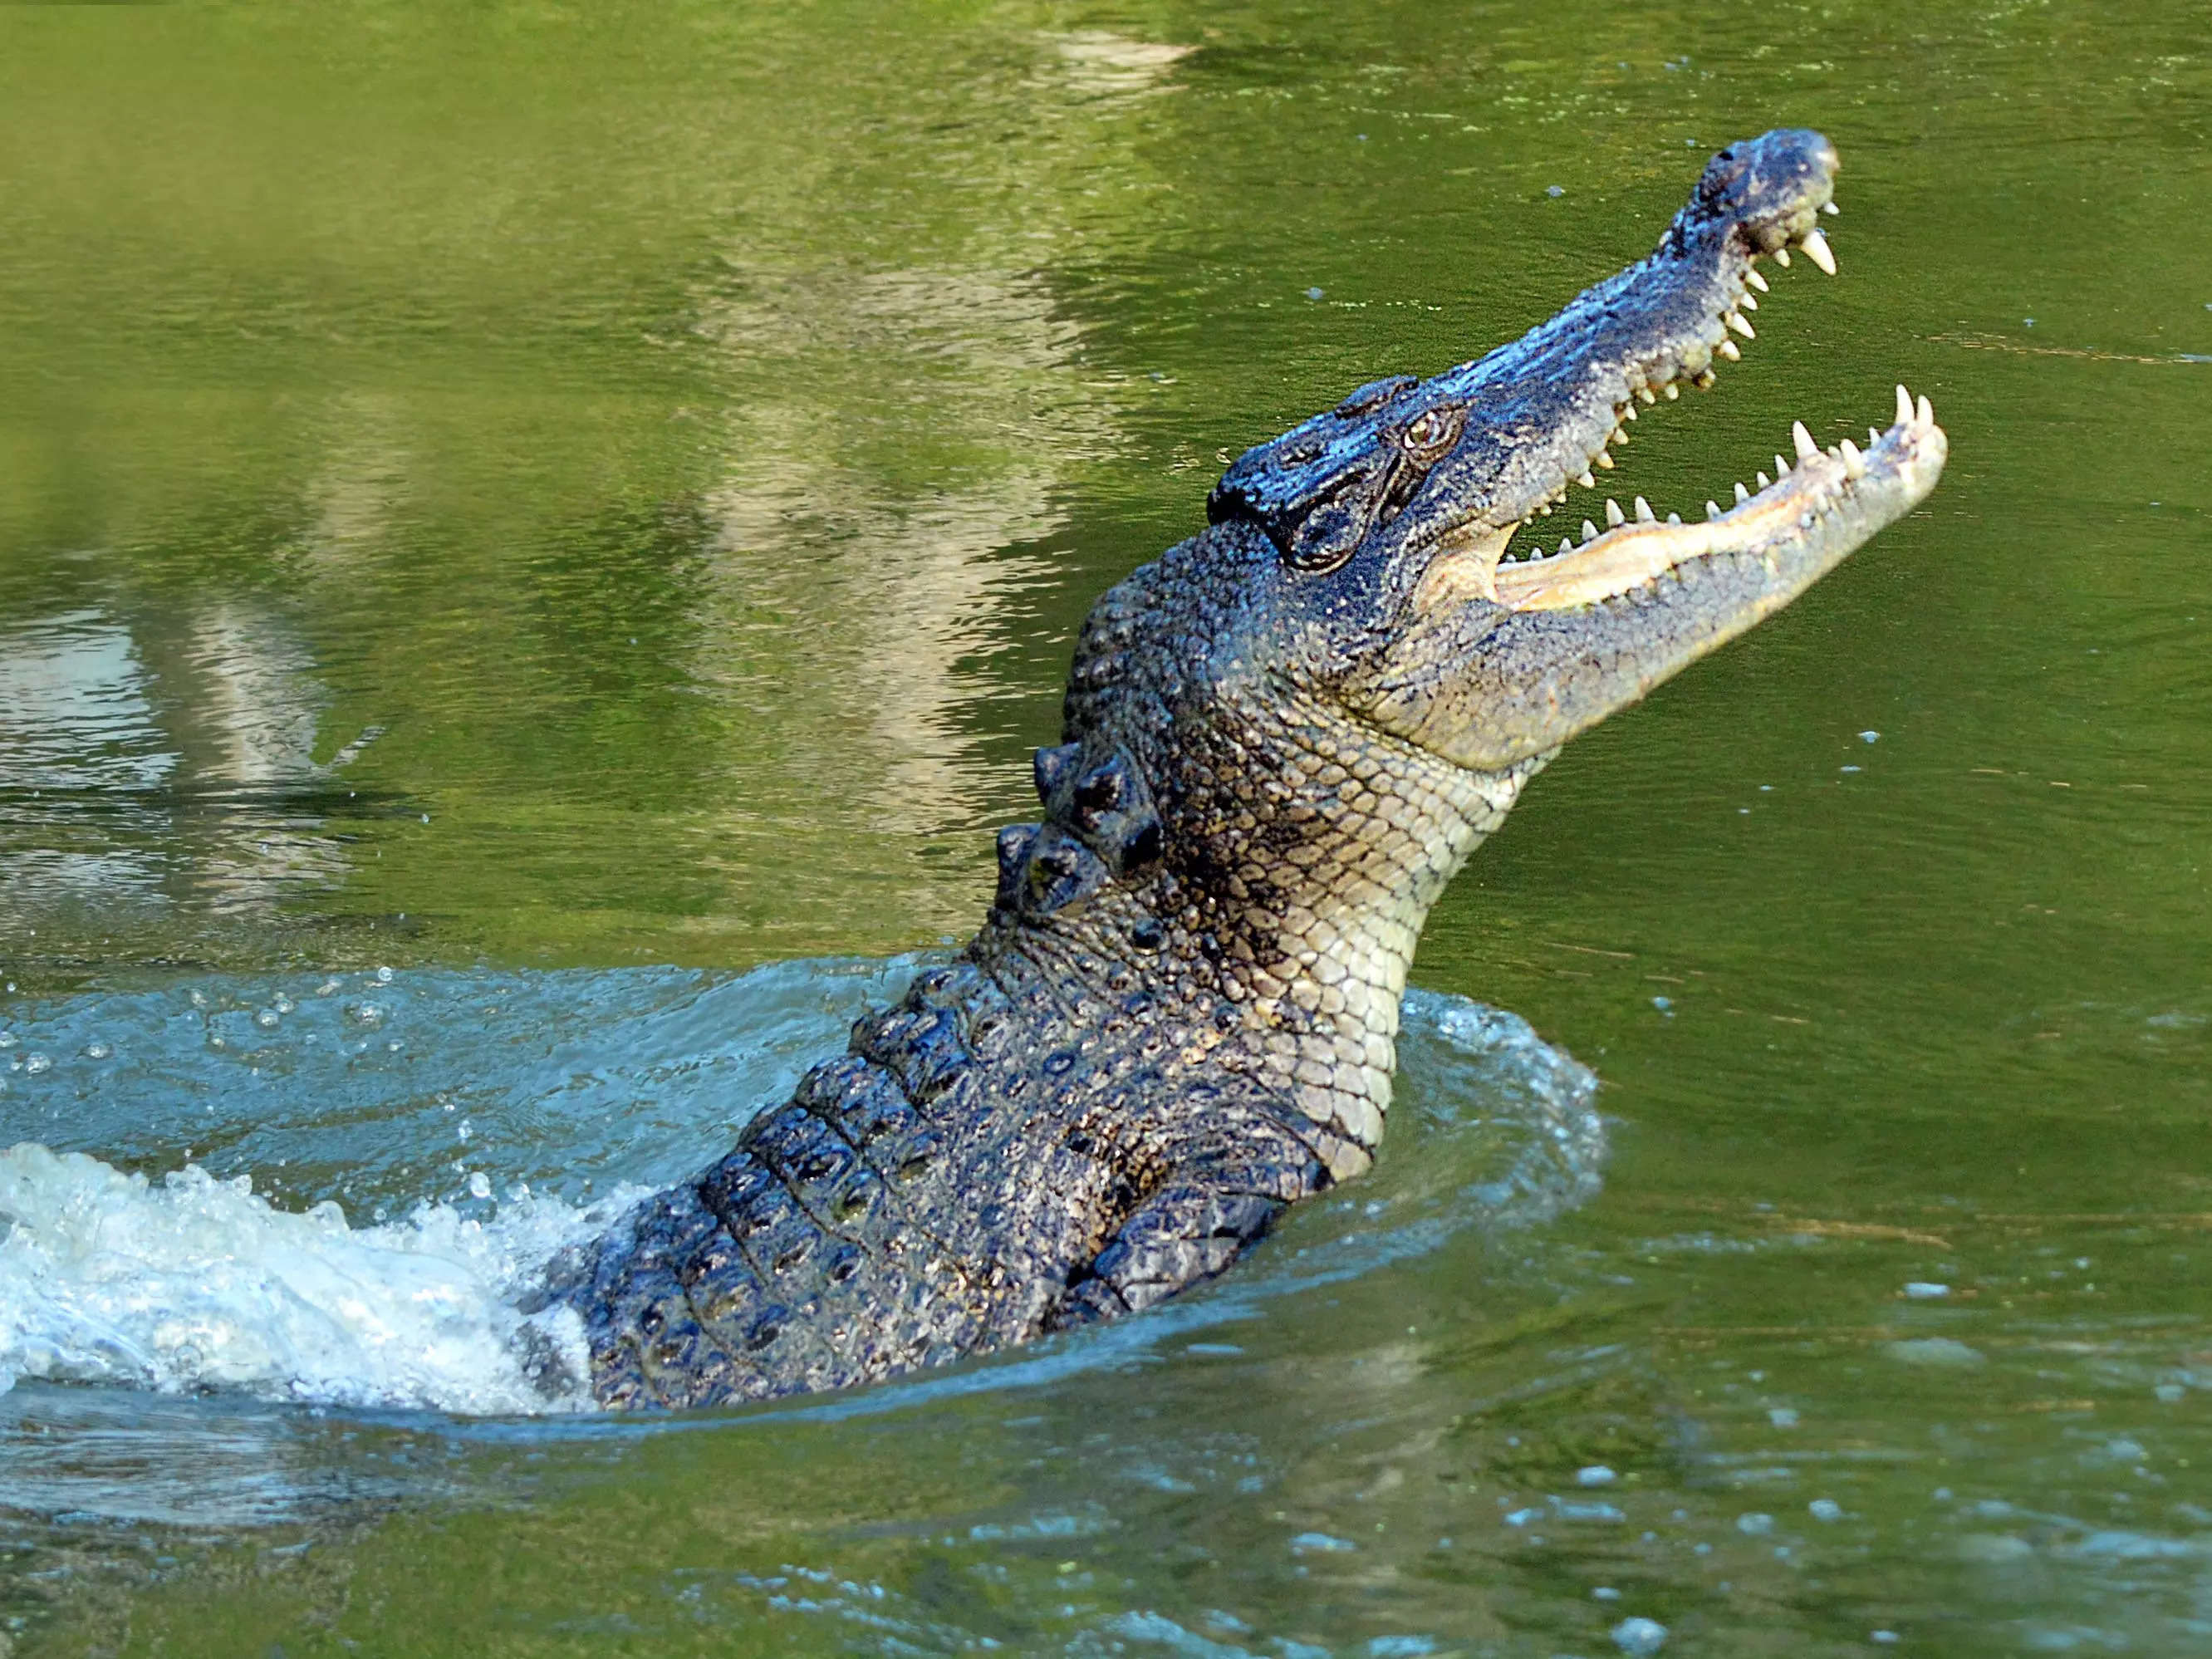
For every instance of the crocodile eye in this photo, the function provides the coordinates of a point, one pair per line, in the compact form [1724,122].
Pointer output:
[1433,432]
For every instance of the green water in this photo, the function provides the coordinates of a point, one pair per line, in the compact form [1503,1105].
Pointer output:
[522,487]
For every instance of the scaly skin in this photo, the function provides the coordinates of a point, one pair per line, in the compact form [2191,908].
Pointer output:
[1281,740]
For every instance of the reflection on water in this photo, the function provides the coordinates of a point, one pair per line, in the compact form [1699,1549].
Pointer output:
[162,764]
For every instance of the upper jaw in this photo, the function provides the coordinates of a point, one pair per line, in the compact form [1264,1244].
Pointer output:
[1629,342]
[1541,412]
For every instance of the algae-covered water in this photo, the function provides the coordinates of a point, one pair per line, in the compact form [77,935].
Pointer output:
[535,542]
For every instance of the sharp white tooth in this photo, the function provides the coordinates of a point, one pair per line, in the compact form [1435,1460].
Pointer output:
[1628,411]
[1619,435]
[1643,511]
[1672,392]
[1748,303]
[1874,435]
[1586,481]
[1741,494]
[1736,321]
[1565,546]
[1605,460]
[1731,350]
[1764,480]
[1546,509]
[1816,250]
[1642,396]
[1755,280]
[1926,411]
[1674,519]
[1854,463]
[1614,515]
[1830,208]
[1712,509]
[1904,406]
[1782,258]
[1781,466]
[1590,531]
[1807,449]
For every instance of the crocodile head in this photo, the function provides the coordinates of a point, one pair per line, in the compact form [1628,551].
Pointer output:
[1392,515]
[1284,736]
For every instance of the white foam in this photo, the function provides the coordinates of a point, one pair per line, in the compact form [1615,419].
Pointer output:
[193,1283]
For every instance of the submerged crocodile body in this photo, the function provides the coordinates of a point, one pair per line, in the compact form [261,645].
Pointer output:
[1281,740]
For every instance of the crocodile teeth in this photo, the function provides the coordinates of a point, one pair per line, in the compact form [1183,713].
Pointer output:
[1614,515]
[1590,531]
[1755,280]
[1643,511]
[1642,396]
[1712,507]
[1672,392]
[1731,350]
[1782,258]
[1674,519]
[1830,208]
[1736,321]
[1743,495]
[1854,462]
[1807,449]
[1748,303]
[1926,411]
[1816,249]
[1781,466]
[1605,460]
[1628,411]
[1764,480]
[1566,545]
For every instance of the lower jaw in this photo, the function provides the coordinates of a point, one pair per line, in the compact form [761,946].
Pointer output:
[1826,489]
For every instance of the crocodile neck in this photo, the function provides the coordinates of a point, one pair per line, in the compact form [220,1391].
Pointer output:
[1275,924]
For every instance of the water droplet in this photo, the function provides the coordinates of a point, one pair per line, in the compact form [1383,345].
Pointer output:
[34,1064]
[7,1039]
[384,974]
[97,1051]
[267,1019]
[479,1185]
[283,1005]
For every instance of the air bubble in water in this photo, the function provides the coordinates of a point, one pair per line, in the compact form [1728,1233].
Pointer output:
[383,976]
[7,1039]
[97,1051]
[283,1005]
[35,1064]
[479,1185]
[328,988]
[267,1018]
[368,1013]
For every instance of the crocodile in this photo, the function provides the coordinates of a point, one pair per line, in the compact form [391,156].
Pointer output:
[1281,741]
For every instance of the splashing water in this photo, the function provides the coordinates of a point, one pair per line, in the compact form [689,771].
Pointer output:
[194,1281]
